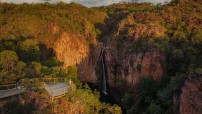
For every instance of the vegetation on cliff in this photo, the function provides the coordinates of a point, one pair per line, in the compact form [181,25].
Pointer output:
[48,21]
[175,30]
[82,100]
[22,58]
[28,32]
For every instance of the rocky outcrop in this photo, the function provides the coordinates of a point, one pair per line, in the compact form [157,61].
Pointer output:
[72,50]
[123,29]
[190,100]
[125,64]
[145,31]
[129,70]
[135,26]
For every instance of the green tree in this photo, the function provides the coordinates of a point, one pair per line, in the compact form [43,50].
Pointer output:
[9,45]
[71,71]
[128,100]
[197,37]
[115,109]
[10,68]
[8,59]
[146,95]
[29,45]
[154,109]
[37,67]
[177,54]
[30,50]
[34,69]
[52,62]
[167,93]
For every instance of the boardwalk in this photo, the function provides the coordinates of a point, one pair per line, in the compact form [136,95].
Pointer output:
[7,93]
[55,87]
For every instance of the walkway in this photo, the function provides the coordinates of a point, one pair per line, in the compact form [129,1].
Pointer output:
[11,92]
[55,87]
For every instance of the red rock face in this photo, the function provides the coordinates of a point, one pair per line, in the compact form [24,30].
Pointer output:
[133,67]
[125,66]
[190,101]
[72,51]
[122,70]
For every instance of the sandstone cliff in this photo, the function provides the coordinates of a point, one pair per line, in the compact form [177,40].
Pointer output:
[124,65]
[73,50]
[70,49]
[128,71]
[190,100]
[122,69]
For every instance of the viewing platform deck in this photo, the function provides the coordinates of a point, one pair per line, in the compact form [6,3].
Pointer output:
[56,90]
[55,87]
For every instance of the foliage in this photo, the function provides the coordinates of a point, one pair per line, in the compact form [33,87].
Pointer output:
[128,100]
[82,101]
[131,7]
[174,86]
[51,62]
[46,20]
[11,69]
[152,97]
[24,26]
[29,45]
[14,107]
[154,109]
[181,45]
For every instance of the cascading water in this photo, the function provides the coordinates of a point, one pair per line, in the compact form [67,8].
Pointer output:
[104,80]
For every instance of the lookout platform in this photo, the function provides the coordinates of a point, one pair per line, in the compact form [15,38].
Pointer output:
[56,90]
[55,87]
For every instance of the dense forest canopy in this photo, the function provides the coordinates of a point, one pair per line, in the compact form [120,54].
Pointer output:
[22,30]
[175,29]
[87,3]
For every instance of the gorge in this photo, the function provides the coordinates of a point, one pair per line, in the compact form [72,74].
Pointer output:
[148,58]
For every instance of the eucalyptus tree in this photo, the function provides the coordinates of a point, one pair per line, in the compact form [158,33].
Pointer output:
[11,69]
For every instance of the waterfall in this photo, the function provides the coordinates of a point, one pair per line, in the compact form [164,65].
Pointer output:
[104,80]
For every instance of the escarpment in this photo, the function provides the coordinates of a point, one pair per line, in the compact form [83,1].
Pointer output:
[133,47]
[125,63]
[133,67]
[189,101]
[70,49]
[73,51]
[139,53]
[124,67]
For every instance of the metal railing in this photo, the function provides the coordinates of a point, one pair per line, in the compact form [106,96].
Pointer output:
[12,86]
[47,80]
[53,80]
[8,87]
[19,86]
[48,89]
